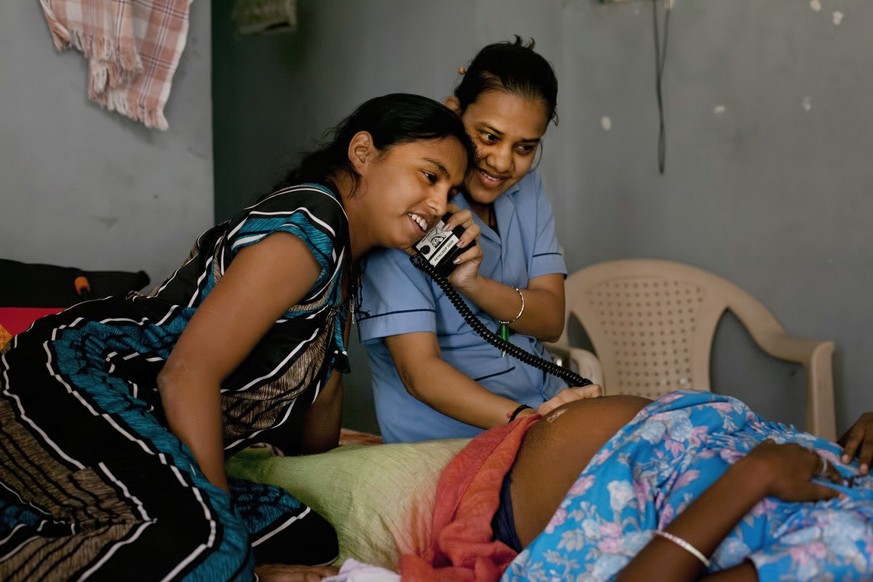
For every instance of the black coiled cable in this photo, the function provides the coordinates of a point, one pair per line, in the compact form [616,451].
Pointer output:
[568,376]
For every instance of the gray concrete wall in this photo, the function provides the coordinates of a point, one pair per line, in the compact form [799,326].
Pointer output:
[90,188]
[769,134]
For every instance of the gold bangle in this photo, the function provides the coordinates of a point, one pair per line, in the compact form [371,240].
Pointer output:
[520,311]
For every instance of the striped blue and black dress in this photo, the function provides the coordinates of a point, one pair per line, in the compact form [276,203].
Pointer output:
[93,484]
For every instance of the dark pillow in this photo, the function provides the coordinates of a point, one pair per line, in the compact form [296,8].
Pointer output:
[36,285]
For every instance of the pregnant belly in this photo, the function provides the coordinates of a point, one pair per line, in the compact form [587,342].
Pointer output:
[554,452]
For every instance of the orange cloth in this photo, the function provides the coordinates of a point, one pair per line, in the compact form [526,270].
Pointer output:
[5,336]
[350,436]
[468,495]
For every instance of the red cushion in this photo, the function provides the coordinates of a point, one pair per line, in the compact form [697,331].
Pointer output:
[18,319]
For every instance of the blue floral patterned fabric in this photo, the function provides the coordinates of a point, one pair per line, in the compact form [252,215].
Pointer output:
[661,461]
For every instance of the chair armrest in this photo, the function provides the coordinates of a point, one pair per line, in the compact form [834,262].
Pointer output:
[580,361]
[816,358]
[780,344]
[814,355]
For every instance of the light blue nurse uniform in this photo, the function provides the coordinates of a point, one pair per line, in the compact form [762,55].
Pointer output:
[396,298]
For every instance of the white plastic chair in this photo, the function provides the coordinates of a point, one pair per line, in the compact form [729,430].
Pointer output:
[651,323]
[578,360]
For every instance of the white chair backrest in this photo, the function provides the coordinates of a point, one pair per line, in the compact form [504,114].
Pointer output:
[652,322]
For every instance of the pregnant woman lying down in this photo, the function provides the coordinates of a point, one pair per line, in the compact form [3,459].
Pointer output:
[691,486]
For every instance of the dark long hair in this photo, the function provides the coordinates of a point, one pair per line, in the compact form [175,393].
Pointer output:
[392,119]
[512,67]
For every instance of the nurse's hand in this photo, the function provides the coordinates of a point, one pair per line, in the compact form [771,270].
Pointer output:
[570,395]
[467,263]
[463,217]
[459,217]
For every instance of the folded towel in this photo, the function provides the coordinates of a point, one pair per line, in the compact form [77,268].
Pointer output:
[133,48]
[468,495]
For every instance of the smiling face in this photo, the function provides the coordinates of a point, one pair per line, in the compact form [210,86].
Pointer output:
[403,191]
[506,129]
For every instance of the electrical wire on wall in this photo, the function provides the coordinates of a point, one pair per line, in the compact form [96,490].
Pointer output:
[660,59]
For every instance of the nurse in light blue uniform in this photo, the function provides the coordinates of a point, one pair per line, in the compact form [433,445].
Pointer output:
[397,298]
[433,376]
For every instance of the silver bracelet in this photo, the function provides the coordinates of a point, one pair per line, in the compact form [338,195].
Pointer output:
[684,545]
[520,311]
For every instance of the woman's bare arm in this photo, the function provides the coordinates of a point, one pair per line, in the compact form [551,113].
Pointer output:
[441,386]
[543,316]
[262,282]
[781,471]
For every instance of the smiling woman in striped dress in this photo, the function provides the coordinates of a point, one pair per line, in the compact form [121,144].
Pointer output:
[116,415]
